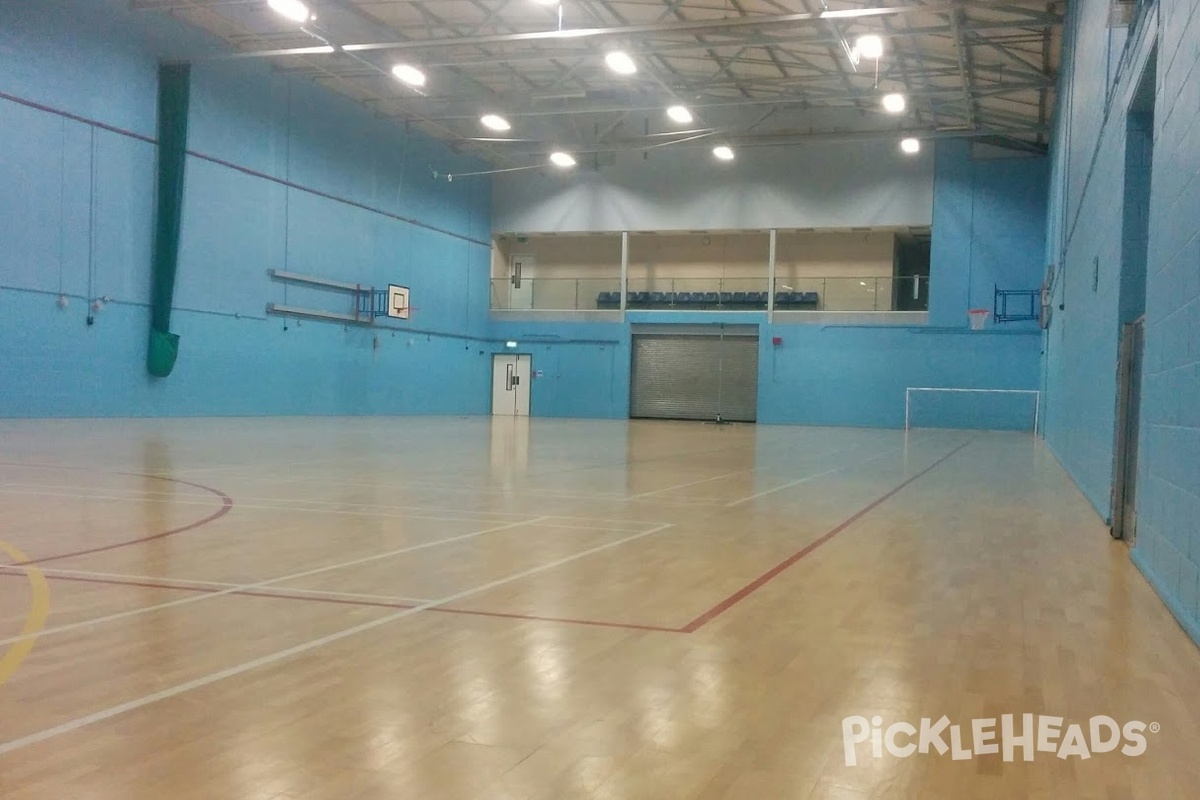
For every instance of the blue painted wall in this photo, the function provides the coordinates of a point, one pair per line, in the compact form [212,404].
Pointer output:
[989,230]
[282,174]
[819,375]
[584,366]
[989,227]
[1087,233]
[858,375]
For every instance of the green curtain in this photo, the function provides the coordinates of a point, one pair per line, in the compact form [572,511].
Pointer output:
[174,82]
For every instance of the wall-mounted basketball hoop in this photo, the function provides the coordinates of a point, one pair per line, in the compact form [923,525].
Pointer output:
[397,301]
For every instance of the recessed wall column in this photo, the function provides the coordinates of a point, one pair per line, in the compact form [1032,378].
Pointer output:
[624,271]
[771,275]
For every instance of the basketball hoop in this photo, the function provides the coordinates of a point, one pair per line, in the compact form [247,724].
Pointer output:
[978,318]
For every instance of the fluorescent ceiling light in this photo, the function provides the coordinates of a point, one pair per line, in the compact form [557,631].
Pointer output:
[894,103]
[869,46]
[561,159]
[910,146]
[724,153]
[495,122]
[409,74]
[292,9]
[546,2]
[680,114]
[620,62]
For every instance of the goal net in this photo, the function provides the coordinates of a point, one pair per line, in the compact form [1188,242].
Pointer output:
[977,409]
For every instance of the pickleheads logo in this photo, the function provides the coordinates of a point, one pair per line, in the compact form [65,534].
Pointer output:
[1029,734]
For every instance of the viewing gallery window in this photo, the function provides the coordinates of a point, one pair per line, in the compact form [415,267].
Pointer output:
[860,270]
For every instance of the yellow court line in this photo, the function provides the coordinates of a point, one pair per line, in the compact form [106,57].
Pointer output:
[39,610]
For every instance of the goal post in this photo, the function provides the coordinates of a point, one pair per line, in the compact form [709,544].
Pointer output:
[980,409]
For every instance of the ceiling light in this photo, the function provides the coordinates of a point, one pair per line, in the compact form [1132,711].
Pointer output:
[495,122]
[869,46]
[546,2]
[620,62]
[409,74]
[894,103]
[680,114]
[724,153]
[561,159]
[910,146]
[292,9]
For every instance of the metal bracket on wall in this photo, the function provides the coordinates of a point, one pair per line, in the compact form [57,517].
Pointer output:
[1016,305]
[279,310]
[369,302]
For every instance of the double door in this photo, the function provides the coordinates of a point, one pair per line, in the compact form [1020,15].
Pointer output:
[510,385]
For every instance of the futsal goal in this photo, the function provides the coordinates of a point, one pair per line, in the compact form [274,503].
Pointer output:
[977,409]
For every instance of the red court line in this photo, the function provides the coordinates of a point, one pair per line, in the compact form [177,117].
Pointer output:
[145,584]
[594,622]
[226,505]
[756,584]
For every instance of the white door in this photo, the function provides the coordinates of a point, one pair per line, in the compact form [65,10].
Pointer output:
[510,385]
[520,281]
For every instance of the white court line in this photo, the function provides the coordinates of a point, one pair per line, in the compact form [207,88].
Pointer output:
[293,504]
[107,469]
[432,487]
[283,505]
[242,587]
[184,584]
[287,506]
[808,478]
[253,466]
[281,655]
[729,475]
[686,485]
[299,505]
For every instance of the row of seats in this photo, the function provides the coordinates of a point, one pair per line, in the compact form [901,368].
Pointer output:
[708,300]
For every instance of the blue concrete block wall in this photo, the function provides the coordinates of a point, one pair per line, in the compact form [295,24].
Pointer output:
[584,366]
[1081,344]
[818,375]
[857,376]
[282,174]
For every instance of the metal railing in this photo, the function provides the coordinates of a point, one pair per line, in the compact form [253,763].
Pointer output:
[884,293]
[551,294]
[874,293]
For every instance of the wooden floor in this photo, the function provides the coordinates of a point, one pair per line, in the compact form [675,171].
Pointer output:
[459,608]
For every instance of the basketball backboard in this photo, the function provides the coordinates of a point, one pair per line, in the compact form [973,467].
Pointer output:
[397,301]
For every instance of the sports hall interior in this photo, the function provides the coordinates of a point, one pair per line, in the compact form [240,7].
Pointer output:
[524,400]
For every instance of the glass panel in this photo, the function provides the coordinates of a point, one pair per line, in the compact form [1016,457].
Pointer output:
[698,270]
[848,293]
[560,293]
[700,294]
[702,271]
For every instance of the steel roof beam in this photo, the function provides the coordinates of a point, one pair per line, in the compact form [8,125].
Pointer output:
[789,139]
[689,27]
[817,99]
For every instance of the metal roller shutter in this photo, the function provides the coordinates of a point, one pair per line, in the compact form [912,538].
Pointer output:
[739,379]
[683,376]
